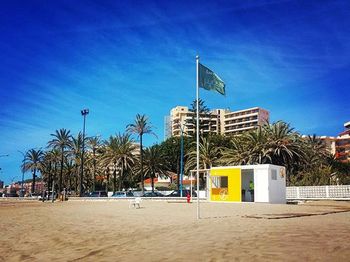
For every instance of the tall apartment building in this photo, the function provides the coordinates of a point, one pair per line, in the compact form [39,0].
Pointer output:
[217,121]
[243,120]
[340,145]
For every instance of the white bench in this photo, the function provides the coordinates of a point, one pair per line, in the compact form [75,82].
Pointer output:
[135,203]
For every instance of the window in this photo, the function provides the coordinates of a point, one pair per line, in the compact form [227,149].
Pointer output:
[220,181]
[224,181]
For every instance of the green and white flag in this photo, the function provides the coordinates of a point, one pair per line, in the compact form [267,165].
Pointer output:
[209,80]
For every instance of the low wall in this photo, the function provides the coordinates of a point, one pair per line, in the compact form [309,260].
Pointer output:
[319,192]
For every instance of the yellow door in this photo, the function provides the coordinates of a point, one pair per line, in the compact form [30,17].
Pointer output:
[225,184]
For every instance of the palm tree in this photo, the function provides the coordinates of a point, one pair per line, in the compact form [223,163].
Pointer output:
[236,153]
[209,154]
[69,170]
[49,165]
[46,168]
[61,141]
[140,127]
[155,163]
[283,145]
[76,152]
[120,154]
[32,162]
[94,143]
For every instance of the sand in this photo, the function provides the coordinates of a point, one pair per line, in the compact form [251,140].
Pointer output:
[162,231]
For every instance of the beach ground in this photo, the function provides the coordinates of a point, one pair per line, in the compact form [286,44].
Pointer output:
[162,231]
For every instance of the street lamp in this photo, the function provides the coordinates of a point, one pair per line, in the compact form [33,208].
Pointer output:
[84,113]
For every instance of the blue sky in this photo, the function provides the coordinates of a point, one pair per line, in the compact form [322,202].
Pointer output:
[120,58]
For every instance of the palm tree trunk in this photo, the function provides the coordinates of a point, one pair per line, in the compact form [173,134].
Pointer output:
[152,182]
[94,172]
[141,160]
[76,179]
[61,173]
[49,177]
[33,184]
[114,181]
[54,175]
[121,178]
[107,183]
[114,178]
[70,182]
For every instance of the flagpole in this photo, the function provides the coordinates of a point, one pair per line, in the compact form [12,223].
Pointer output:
[197,93]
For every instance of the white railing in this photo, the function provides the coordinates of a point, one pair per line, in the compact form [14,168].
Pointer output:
[319,192]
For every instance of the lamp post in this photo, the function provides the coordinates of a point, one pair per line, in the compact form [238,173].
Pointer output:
[24,160]
[84,113]
[181,159]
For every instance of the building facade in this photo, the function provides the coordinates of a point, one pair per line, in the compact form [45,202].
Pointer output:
[217,121]
[340,145]
[243,120]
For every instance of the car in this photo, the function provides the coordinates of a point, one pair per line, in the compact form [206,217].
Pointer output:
[176,193]
[153,194]
[98,194]
[35,195]
[123,194]
[11,195]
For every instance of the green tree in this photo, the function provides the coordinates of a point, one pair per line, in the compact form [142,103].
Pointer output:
[209,155]
[95,144]
[155,163]
[204,117]
[275,143]
[33,162]
[75,151]
[120,155]
[52,160]
[140,127]
[61,141]
[171,149]
[315,167]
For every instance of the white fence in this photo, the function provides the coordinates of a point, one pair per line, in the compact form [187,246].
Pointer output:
[319,192]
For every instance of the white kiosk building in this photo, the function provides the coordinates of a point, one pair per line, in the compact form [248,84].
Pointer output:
[250,183]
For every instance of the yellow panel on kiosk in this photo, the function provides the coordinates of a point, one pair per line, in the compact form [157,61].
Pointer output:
[225,185]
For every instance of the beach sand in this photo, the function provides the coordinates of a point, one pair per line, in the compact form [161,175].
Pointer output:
[161,231]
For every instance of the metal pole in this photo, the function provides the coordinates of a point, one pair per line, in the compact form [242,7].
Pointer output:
[191,183]
[181,160]
[84,112]
[197,98]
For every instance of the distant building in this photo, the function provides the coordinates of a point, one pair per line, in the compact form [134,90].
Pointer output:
[217,121]
[347,125]
[1,184]
[329,143]
[243,120]
[27,187]
[340,145]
